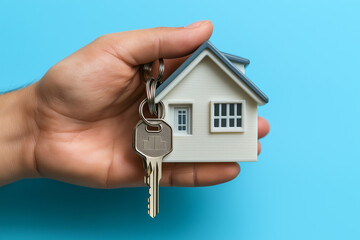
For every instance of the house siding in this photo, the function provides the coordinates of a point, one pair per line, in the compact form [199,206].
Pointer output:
[207,82]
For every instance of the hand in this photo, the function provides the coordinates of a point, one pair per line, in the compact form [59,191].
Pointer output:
[85,107]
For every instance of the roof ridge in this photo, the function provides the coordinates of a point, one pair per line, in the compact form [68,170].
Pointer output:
[225,60]
[236,58]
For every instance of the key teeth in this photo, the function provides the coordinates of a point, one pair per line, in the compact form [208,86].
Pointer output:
[149,199]
[150,211]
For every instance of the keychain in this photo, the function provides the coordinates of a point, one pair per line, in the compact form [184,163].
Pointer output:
[153,145]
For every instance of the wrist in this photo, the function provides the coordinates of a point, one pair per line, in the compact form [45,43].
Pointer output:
[17,135]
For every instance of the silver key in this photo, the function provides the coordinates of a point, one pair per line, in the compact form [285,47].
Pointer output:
[153,146]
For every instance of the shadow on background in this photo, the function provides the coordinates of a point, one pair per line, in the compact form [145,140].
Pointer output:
[47,205]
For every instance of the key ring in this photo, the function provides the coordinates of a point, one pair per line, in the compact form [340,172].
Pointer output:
[161,115]
[150,93]
[147,67]
[152,84]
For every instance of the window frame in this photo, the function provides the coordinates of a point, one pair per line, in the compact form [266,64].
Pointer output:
[174,119]
[227,129]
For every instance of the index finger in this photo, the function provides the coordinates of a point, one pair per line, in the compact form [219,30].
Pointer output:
[198,174]
[147,45]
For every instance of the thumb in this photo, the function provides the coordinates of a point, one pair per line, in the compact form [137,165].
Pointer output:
[147,45]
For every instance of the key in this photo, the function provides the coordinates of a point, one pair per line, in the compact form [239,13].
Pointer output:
[153,145]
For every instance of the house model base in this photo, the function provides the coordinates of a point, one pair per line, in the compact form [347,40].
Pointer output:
[212,108]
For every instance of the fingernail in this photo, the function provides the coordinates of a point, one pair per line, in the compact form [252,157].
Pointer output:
[196,24]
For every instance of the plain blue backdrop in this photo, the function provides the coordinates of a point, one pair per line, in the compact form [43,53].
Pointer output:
[304,56]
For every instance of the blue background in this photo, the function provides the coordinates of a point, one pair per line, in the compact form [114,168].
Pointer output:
[304,56]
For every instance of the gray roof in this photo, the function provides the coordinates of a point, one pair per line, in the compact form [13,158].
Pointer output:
[238,59]
[224,57]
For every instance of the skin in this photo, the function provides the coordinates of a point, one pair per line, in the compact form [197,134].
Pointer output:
[76,124]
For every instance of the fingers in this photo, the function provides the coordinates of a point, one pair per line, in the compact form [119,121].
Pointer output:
[198,174]
[146,45]
[263,127]
[170,66]
[258,148]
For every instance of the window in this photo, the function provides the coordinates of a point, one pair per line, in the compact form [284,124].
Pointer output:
[181,120]
[227,116]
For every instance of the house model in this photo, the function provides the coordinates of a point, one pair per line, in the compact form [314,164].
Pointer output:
[212,108]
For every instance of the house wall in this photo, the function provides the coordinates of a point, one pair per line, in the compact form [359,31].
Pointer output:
[204,83]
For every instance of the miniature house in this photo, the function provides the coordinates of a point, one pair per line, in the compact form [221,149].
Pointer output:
[212,108]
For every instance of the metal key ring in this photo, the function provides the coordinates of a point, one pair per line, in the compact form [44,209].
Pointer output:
[146,68]
[160,105]
[150,93]
[161,111]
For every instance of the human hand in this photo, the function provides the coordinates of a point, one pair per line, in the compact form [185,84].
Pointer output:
[85,107]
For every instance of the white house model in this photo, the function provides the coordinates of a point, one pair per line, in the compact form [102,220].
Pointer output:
[212,108]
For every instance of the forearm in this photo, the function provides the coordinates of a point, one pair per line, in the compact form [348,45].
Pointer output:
[17,140]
